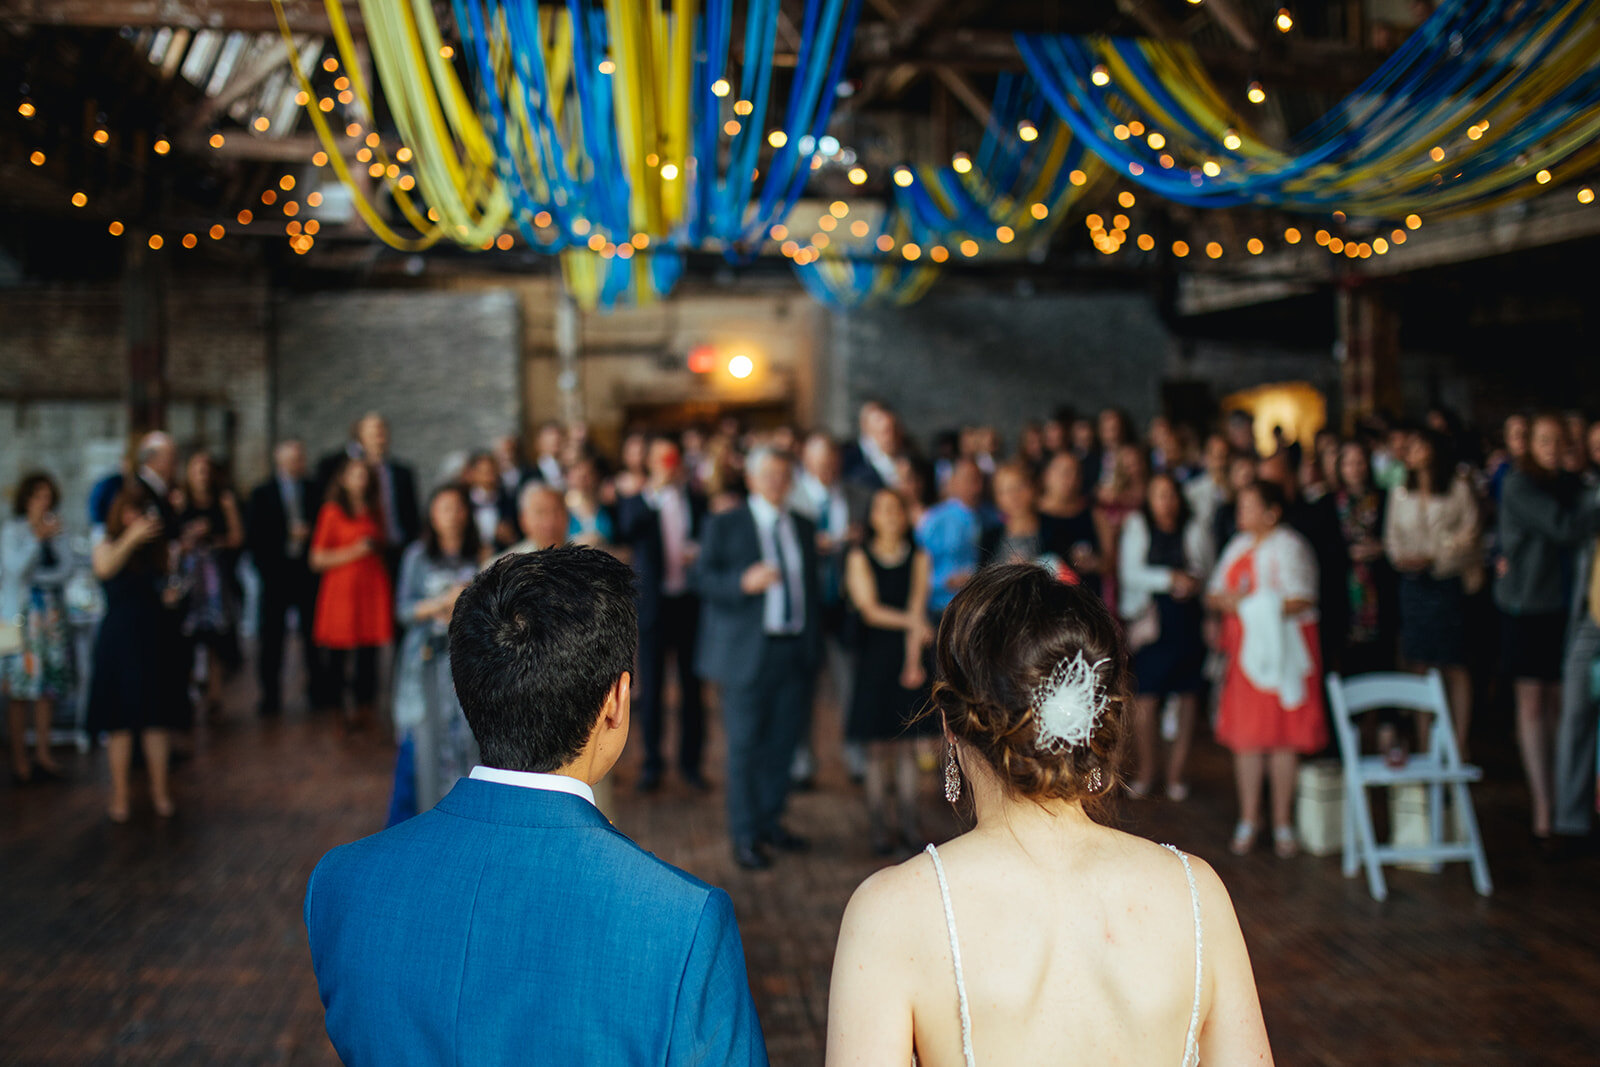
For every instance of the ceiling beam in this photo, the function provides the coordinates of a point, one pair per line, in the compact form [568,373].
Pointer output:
[247,16]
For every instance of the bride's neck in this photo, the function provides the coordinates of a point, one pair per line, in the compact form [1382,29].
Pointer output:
[1017,816]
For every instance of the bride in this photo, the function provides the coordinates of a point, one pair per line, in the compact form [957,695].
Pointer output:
[1040,936]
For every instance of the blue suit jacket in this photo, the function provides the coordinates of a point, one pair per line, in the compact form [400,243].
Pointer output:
[512,925]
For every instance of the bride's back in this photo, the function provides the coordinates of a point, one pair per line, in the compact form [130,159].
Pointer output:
[1073,942]
[1074,950]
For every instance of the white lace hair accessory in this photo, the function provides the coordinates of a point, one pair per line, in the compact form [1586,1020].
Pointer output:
[1070,702]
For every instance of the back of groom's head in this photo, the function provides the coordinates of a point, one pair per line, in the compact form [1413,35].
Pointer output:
[537,642]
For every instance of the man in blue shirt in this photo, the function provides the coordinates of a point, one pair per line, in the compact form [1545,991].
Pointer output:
[512,923]
[950,533]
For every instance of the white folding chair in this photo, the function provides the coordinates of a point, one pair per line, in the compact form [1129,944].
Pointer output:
[1437,768]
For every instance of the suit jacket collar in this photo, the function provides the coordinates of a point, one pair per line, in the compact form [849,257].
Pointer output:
[510,805]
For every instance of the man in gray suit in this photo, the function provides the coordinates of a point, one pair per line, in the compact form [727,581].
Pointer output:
[1575,737]
[759,641]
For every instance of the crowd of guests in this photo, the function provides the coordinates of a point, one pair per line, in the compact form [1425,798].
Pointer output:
[1241,571]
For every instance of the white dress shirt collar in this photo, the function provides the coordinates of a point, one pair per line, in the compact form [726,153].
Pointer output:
[763,511]
[550,783]
[153,480]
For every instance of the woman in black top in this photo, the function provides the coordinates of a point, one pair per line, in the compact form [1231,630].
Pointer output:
[1065,507]
[213,532]
[887,578]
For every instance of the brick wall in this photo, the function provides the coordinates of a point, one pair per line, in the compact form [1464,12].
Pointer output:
[442,366]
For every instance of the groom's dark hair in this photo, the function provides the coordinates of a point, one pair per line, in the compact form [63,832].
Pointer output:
[536,643]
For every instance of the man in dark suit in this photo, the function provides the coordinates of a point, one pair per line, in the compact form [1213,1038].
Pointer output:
[760,639]
[512,923]
[869,461]
[278,524]
[156,466]
[397,484]
[662,524]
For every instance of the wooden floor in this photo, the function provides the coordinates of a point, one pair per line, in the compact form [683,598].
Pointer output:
[181,942]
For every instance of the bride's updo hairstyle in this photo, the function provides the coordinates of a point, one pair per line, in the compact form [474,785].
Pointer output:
[1003,639]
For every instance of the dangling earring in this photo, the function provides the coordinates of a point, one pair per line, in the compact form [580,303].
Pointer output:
[952,774]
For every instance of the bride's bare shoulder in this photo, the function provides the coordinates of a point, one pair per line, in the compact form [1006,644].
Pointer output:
[897,899]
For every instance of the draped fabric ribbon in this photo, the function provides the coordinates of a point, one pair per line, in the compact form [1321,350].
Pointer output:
[1467,114]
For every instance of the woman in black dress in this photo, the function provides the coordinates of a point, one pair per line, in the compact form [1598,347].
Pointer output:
[1068,517]
[887,578]
[139,680]
[208,513]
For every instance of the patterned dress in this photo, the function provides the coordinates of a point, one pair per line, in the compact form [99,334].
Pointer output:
[33,575]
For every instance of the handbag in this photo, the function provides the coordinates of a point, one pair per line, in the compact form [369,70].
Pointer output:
[1145,629]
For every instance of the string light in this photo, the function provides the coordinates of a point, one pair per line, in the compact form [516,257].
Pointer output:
[407,183]
[1380,246]
[156,242]
[857,176]
[37,159]
[26,109]
[115,228]
[1231,141]
[961,163]
[1077,177]
[641,241]
[1543,177]
[731,127]
[1413,222]
[1586,195]
[375,170]
[1094,222]
[364,155]
[827,222]
[1323,237]
[969,248]
[314,199]
[330,64]
[245,217]
[779,232]
[1211,168]
[743,107]
[903,177]
[1436,154]
[1136,128]
[1214,250]
[101,136]
[261,123]
[290,208]
[859,227]
[269,196]
[1039,211]
[1335,245]
[1125,198]
[789,248]
[216,140]
[1291,236]
[1156,140]
[1284,21]
[1004,234]
[325,104]
[446,52]
[1255,94]
[1180,249]
[885,243]
[910,250]
[353,130]
[1100,75]
[292,228]
[608,66]
[312,225]
[1135,169]
[216,231]
[1027,130]
[79,199]
[1121,132]
[1255,246]
[1146,242]
[938,253]
[777,138]
[190,240]
[161,147]
[720,87]
[1119,222]
[503,242]
[820,240]
[839,209]
[669,171]
[1398,237]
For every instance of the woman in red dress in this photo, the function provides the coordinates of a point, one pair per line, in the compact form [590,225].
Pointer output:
[1265,587]
[355,601]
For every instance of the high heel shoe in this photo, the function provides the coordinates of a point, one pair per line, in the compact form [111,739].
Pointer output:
[1244,838]
[1284,842]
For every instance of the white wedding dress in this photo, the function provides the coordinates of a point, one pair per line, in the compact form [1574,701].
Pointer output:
[1191,1047]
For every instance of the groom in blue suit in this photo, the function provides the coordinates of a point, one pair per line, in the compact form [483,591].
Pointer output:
[512,923]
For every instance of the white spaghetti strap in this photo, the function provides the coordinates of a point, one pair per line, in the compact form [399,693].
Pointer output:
[955,955]
[1191,1044]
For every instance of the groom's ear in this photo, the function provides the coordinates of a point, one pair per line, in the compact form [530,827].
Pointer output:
[614,713]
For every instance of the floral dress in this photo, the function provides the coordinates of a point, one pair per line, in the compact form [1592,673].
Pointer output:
[33,575]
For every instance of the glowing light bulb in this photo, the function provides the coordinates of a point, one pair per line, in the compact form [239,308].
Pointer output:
[910,250]
[216,231]
[741,366]
[1027,130]
[1180,249]
[857,176]
[101,136]
[155,242]
[1291,236]
[903,177]
[1255,94]
[1214,250]
[720,87]
[1586,195]
[608,66]
[1145,242]
[1077,177]
[777,138]
[1039,211]
[1005,235]
[1255,246]
[1231,141]
[1100,75]
[961,163]
[669,171]
[1156,140]
[37,158]
[1543,177]
[1436,154]
[1284,21]
[79,199]
[969,248]
[1211,168]
[839,209]
[1413,222]
[216,140]
[115,229]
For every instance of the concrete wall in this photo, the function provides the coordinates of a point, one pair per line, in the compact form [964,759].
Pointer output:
[443,367]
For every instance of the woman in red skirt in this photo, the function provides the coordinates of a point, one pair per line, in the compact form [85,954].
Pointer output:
[355,601]
[1272,712]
